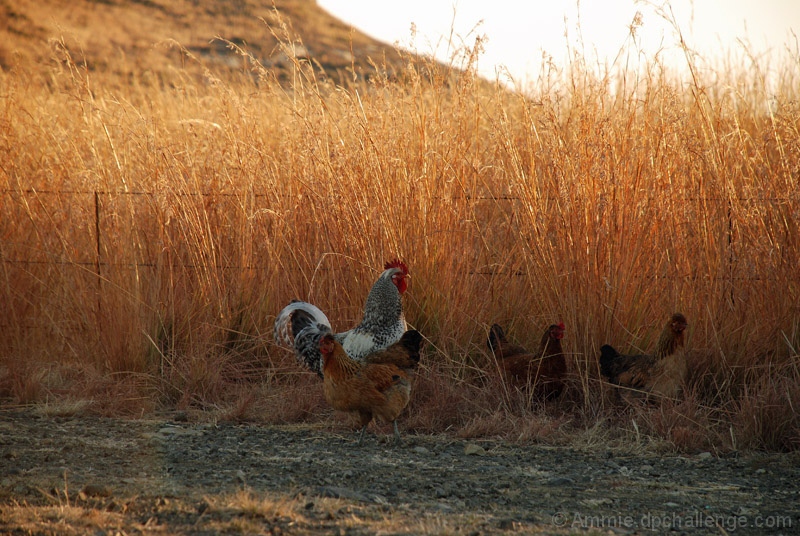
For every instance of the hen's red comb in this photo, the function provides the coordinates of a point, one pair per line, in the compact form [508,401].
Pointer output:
[396,263]
[561,325]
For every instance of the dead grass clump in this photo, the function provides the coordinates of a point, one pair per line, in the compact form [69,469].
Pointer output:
[442,402]
[765,416]
[60,519]
[291,399]
[63,408]
[21,381]
[530,427]
[690,426]
[252,506]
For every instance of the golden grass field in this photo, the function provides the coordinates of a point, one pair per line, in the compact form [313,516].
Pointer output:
[151,228]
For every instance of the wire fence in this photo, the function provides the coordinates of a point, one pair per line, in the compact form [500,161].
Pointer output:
[86,225]
[101,240]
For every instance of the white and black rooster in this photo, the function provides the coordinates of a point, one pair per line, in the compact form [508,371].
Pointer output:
[300,325]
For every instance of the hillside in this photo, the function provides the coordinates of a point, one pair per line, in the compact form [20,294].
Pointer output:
[144,38]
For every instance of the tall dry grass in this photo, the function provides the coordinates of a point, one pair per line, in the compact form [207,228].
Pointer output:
[150,234]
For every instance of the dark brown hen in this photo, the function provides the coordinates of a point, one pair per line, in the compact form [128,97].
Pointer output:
[661,373]
[543,370]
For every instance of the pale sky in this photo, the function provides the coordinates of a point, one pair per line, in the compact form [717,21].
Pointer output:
[518,31]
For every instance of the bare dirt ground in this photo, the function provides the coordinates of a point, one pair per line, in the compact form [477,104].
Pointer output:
[168,476]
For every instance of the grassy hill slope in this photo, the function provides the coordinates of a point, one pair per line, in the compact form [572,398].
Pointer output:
[140,36]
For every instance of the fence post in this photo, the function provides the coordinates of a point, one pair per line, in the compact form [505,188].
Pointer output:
[730,249]
[97,252]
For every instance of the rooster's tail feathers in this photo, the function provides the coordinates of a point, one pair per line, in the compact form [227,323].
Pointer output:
[412,341]
[607,357]
[299,326]
[294,318]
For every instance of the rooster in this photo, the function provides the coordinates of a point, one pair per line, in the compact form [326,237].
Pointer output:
[660,373]
[543,369]
[300,325]
[380,386]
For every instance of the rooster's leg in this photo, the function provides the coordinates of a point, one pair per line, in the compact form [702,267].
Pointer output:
[396,433]
[361,435]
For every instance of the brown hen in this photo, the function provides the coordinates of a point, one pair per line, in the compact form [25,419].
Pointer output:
[544,370]
[661,373]
[380,386]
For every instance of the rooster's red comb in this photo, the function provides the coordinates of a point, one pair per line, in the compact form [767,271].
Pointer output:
[561,325]
[396,263]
